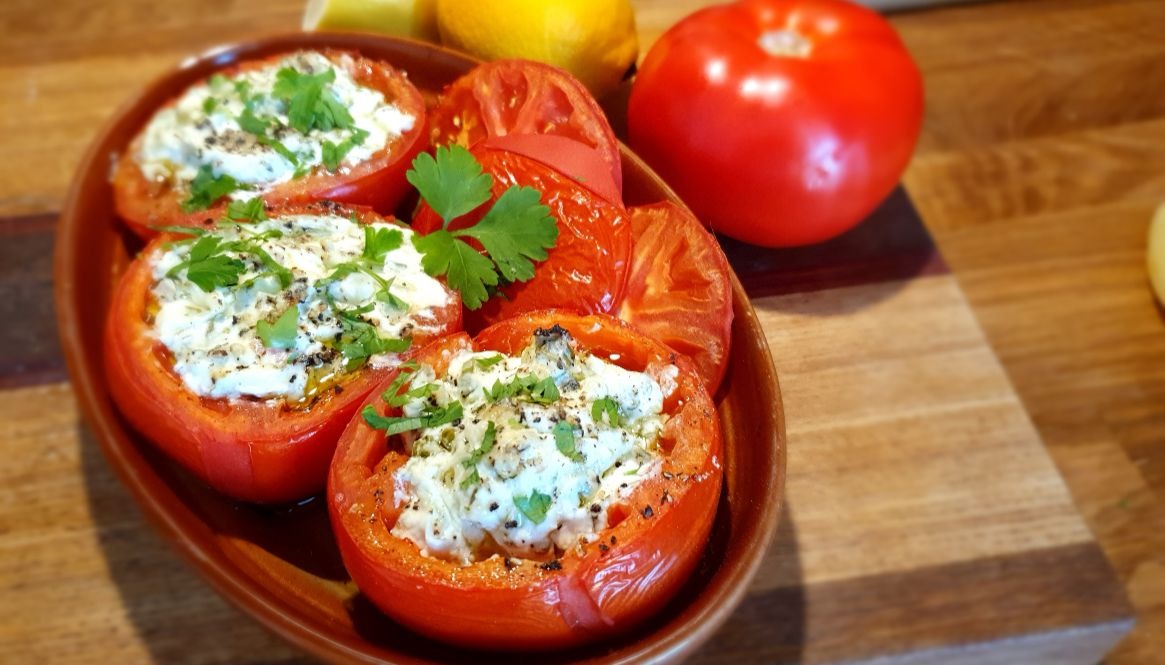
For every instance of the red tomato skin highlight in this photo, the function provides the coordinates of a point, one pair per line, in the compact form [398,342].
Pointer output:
[585,272]
[508,97]
[593,594]
[253,451]
[378,182]
[778,150]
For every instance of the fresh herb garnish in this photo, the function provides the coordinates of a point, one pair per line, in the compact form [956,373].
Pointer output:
[542,391]
[393,396]
[487,444]
[609,407]
[564,440]
[487,362]
[333,153]
[207,188]
[208,267]
[378,242]
[534,507]
[208,105]
[251,210]
[434,417]
[516,231]
[282,333]
[310,102]
[360,340]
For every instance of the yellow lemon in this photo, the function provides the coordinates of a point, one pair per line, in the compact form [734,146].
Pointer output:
[405,18]
[593,39]
[1156,254]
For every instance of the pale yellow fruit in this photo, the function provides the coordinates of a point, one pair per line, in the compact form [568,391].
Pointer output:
[1156,253]
[593,39]
[404,18]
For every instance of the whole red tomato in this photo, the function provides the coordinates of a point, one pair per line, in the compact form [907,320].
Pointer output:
[780,122]
[590,592]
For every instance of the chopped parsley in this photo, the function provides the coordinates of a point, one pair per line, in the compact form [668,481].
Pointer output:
[430,417]
[251,210]
[564,440]
[207,188]
[516,231]
[487,444]
[360,340]
[606,406]
[333,154]
[542,391]
[282,333]
[534,507]
[310,102]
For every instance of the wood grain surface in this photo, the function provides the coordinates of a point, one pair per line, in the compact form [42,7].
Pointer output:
[926,521]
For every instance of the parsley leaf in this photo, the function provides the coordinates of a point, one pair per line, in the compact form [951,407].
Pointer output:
[282,333]
[250,209]
[516,229]
[487,444]
[542,391]
[310,102]
[378,242]
[607,406]
[360,340]
[207,267]
[471,479]
[565,442]
[534,507]
[452,183]
[441,415]
[253,124]
[466,270]
[393,396]
[208,105]
[206,188]
[333,153]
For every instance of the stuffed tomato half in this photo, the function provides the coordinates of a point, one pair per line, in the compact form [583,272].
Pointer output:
[293,128]
[548,483]
[242,350]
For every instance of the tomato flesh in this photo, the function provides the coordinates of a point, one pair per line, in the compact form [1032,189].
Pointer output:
[506,97]
[607,586]
[678,289]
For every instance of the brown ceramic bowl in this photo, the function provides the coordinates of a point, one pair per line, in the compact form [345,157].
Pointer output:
[281,564]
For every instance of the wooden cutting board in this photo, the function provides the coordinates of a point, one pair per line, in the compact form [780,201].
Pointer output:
[924,522]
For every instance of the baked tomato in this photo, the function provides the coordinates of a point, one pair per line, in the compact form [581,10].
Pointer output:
[587,268]
[541,528]
[242,353]
[293,128]
[507,97]
[678,289]
[780,122]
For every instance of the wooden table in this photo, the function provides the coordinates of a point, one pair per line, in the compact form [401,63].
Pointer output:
[926,520]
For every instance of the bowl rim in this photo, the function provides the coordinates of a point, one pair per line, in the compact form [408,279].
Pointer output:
[666,643]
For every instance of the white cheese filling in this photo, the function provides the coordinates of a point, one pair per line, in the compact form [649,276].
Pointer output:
[213,335]
[203,128]
[462,505]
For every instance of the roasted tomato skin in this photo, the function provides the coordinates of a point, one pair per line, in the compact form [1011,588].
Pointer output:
[378,182]
[256,451]
[508,97]
[679,288]
[586,271]
[595,592]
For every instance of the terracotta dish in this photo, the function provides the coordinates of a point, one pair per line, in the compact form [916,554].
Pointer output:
[281,564]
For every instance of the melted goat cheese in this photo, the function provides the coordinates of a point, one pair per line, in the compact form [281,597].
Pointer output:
[213,335]
[463,510]
[202,128]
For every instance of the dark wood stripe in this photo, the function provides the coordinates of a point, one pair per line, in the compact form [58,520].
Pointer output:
[1039,591]
[891,244]
[29,350]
